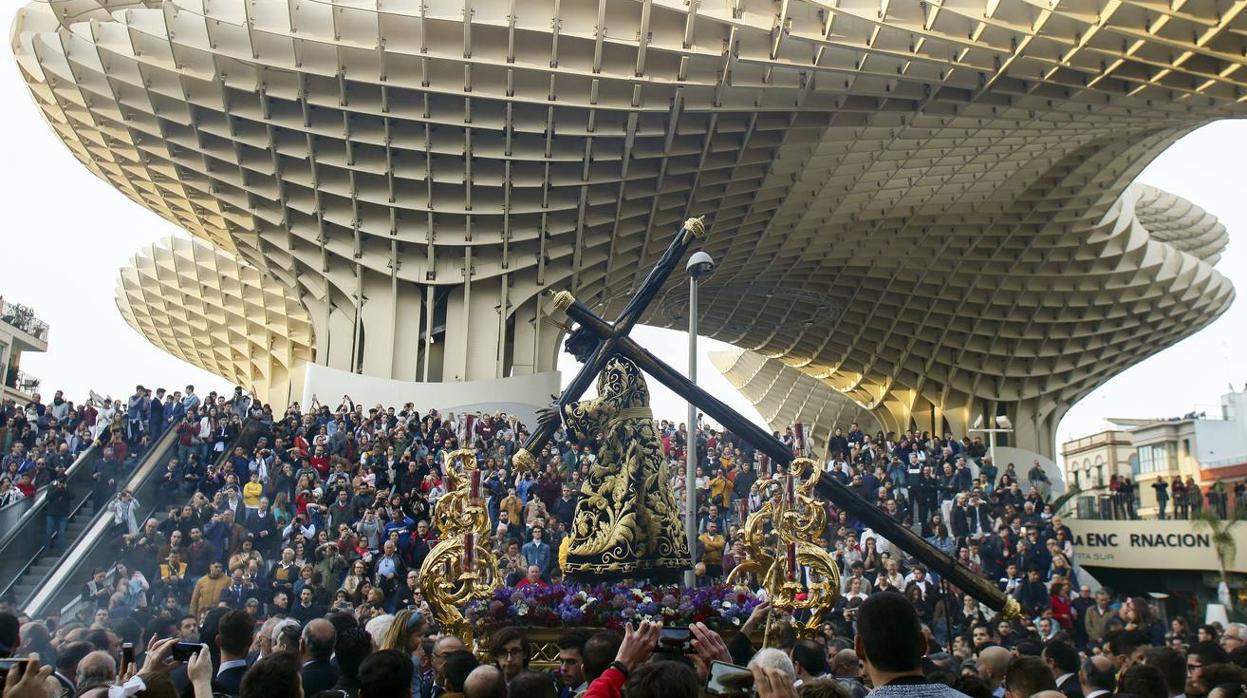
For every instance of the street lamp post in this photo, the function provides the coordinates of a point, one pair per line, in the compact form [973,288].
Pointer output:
[699,266]
[1002,426]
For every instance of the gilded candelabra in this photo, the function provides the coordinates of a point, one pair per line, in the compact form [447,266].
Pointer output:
[461,567]
[786,552]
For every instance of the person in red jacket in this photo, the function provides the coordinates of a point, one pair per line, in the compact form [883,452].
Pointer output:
[639,645]
[533,578]
[1062,611]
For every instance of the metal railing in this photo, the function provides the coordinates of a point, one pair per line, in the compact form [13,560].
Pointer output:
[1223,462]
[23,318]
[25,382]
[1106,508]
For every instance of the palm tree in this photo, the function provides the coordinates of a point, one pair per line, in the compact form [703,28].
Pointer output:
[1222,536]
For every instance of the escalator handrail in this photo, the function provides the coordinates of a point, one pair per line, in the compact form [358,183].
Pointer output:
[98,526]
[34,505]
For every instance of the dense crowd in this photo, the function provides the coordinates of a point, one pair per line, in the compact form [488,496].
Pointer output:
[309,542]
[892,655]
[41,440]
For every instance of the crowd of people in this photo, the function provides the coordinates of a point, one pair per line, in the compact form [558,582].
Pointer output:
[40,441]
[303,549]
[891,655]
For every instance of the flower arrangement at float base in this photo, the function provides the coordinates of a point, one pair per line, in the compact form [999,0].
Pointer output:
[612,606]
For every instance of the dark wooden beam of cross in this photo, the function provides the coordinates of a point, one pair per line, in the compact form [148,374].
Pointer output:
[613,340]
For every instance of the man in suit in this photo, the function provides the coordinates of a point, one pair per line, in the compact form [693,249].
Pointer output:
[236,594]
[353,646]
[263,529]
[971,517]
[318,642]
[442,648]
[67,666]
[1097,677]
[1062,659]
[234,640]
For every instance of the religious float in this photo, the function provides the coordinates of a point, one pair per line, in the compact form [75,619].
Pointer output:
[625,525]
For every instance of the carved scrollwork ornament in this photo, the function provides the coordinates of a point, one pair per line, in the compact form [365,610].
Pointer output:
[461,567]
[784,543]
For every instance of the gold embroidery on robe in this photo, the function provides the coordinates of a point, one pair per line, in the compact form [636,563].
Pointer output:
[626,522]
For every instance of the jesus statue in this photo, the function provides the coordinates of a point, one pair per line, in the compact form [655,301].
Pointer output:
[626,524]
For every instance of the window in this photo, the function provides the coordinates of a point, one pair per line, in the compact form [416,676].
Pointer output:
[1156,458]
[1186,447]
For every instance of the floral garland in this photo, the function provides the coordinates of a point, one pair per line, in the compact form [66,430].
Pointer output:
[611,606]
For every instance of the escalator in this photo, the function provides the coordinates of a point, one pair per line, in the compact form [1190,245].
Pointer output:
[22,524]
[93,549]
[44,571]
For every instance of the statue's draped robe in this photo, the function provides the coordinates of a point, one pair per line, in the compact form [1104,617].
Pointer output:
[626,523]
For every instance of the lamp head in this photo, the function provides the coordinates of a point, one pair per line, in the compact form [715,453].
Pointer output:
[700,265]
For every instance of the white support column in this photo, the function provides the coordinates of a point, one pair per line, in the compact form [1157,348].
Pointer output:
[6,354]
[524,351]
[455,346]
[340,339]
[377,316]
[408,323]
[484,336]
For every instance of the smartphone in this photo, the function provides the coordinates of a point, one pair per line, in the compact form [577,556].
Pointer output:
[10,662]
[675,640]
[729,680]
[182,651]
[127,656]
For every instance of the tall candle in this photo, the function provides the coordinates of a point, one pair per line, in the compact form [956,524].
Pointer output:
[789,493]
[744,509]
[476,486]
[469,551]
[800,440]
[792,560]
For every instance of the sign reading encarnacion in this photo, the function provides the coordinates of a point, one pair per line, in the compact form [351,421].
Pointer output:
[1163,545]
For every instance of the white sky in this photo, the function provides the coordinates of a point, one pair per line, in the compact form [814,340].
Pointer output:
[67,234]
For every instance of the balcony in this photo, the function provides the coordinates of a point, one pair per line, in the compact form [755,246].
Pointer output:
[29,332]
[19,386]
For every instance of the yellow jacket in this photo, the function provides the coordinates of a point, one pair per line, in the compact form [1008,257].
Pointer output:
[719,489]
[207,593]
[251,493]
